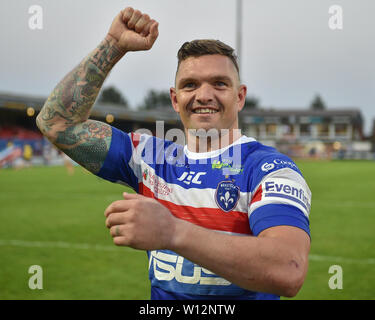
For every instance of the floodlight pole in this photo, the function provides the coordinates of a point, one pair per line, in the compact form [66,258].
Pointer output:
[239,32]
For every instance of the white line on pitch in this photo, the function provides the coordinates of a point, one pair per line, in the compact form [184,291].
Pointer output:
[61,245]
[86,246]
[315,257]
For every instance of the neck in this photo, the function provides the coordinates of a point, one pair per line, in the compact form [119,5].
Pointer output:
[205,141]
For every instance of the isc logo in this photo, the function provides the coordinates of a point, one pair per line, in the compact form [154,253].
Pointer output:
[191,177]
[168,267]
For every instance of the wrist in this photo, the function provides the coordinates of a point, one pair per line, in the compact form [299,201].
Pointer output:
[114,43]
[179,234]
[106,55]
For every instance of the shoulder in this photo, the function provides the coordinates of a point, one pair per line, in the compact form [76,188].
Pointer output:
[263,160]
[265,165]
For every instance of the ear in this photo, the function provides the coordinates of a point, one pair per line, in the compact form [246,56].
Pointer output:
[173,95]
[241,97]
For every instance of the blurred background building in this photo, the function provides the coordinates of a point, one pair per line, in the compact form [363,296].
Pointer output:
[316,134]
[327,134]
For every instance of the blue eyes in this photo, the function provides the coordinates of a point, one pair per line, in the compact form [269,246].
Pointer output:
[191,85]
[220,83]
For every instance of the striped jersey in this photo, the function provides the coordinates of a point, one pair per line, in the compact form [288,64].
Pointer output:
[241,189]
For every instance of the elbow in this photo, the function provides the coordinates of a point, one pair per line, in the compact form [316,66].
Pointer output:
[293,283]
[43,127]
[39,122]
[292,289]
[279,284]
[286,281]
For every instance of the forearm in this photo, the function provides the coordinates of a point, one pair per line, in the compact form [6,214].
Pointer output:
[64,117]
[72,99]
[260,264]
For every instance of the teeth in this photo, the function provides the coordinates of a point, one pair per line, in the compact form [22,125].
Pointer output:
[204,110]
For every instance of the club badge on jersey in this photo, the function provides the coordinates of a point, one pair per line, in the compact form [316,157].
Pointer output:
[227,195]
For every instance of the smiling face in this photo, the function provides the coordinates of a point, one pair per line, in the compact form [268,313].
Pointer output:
[208,94]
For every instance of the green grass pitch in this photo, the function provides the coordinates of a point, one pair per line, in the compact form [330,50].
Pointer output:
[56,221]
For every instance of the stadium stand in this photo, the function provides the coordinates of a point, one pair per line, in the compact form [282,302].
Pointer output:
[331,133]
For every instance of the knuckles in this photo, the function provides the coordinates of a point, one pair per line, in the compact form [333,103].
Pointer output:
[137,13]
[111,208]
[128,11]
[109,222]
[146,17]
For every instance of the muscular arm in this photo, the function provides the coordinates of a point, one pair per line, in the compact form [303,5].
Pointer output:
[64,117]
[273,262]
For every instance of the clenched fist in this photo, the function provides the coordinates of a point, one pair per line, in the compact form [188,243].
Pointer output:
[133,30]
[140,223]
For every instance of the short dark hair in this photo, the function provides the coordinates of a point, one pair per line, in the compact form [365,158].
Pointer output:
[197,48]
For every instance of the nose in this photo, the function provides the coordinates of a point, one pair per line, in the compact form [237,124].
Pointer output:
[204,94]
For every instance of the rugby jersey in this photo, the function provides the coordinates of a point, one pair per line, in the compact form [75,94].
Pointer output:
[242,189]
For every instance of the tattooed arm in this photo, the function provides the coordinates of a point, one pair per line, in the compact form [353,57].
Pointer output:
[64,117]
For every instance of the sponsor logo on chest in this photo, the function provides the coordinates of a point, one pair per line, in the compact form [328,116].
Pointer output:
[156,184]
[191,177]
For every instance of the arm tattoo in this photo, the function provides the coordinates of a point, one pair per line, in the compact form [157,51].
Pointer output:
[86,143]
[63,117]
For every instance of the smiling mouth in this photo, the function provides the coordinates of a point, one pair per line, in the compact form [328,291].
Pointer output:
[204,111]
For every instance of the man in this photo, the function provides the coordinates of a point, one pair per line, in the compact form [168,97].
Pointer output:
[230,222]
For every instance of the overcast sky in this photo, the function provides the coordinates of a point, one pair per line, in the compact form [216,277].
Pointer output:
[289,51]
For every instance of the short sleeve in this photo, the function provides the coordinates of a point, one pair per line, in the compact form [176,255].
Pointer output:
[281,198]
[119,165]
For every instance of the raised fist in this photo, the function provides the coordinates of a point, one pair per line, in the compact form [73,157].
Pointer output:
[134,30]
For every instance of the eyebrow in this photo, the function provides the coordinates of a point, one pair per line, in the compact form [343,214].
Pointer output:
[213,78]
